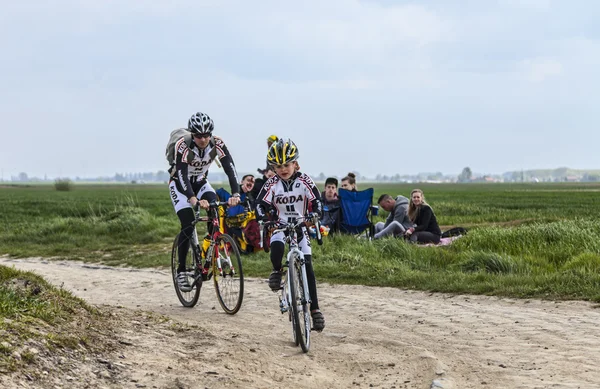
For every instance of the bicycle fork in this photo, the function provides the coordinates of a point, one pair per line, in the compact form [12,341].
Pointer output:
[284,305]
[285,298]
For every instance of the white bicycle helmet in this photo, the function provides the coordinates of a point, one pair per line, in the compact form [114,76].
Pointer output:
[201,123]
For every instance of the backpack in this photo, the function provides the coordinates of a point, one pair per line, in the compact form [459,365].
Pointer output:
[187,135]
[173,138]
[456,231]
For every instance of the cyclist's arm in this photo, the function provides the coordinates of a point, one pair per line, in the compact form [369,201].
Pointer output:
[228,165]
[314,195]
[181,168]
[263,200]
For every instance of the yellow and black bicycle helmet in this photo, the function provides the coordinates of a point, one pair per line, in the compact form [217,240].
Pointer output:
[281,152]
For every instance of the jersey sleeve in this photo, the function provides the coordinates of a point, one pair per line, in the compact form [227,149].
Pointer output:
[264,200]
[228,165]
[181,167]
[312,193]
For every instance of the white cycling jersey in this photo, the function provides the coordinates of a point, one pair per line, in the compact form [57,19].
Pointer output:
[289,199]
[192,172]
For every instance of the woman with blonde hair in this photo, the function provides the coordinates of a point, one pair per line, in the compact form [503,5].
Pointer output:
[427,229]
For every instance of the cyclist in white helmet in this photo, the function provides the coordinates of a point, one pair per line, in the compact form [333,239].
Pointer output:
[189,185]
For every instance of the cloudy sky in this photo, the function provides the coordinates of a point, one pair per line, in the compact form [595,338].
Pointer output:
[94,87]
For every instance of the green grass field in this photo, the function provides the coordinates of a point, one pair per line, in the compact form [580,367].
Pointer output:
[525,240]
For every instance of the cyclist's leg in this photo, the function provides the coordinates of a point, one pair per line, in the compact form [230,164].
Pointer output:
[277,250]
[304,245]
[317,315]
[186,217]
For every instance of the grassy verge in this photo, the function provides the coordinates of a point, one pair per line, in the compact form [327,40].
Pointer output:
[51,339]
[38,322]
[557,260]
[525,241]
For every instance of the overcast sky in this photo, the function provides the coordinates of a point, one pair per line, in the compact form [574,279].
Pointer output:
[91,88]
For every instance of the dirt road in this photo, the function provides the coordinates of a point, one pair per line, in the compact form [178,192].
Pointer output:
[375,337]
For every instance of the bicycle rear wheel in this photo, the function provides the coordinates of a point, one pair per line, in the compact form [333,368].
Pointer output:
[298,318]
[229,280]
[187,298]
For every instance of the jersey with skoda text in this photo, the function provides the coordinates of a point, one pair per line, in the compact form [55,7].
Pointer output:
[195,171]
[289,199]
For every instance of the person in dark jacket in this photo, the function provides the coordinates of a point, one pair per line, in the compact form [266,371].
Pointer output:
[331,204]
[397,221]
[420,213]
[259,182]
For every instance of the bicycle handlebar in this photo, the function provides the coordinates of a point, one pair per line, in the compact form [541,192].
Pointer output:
[216,204]
[299,222]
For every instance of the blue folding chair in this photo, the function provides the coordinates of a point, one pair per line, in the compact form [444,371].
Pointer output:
[357,212]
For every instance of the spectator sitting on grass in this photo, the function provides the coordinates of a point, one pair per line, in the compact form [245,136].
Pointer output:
[331,204]
[397,221]
[259,182]
[427,229]
[247,186]
[349,182]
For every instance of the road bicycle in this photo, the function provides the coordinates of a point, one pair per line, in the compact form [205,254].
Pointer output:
[295,297]
[221,262]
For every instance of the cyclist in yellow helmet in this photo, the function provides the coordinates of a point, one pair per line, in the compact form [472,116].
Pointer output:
[270,140]
[287,195]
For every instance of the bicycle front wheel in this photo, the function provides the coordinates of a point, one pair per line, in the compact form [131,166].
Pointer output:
[300,328]
[188,297]
[229,279]
[304,312]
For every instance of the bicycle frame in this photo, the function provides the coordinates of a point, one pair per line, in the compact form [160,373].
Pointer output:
[211,253]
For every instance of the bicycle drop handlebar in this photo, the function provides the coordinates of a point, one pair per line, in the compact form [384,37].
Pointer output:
[212,206]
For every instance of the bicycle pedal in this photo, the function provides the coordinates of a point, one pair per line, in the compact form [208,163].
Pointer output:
[283,306]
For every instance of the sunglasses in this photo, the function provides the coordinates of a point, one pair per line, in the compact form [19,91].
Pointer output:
[200,136]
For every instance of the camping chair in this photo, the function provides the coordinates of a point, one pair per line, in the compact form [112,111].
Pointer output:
[357,212]
[240,223]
